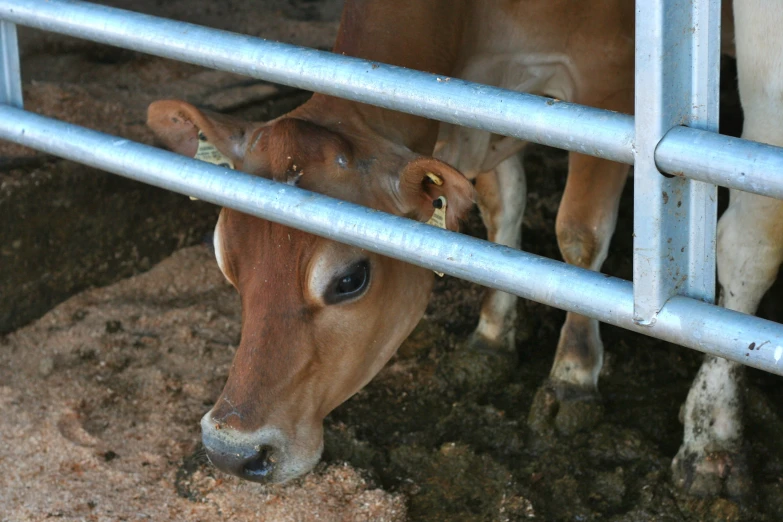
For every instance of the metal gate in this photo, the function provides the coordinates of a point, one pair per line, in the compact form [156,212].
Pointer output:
[673,132]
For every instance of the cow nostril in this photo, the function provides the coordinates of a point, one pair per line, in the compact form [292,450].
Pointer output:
[261,465]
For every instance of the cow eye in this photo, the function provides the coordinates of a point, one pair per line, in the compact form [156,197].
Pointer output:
[350,284]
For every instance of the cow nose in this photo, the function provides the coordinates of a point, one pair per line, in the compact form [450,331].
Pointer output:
[261,466]
[251,456]
[256,464]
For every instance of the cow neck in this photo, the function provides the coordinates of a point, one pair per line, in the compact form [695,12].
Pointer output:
[408,33]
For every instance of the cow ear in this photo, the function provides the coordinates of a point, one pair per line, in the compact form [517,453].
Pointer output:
[181,126]
[423,180]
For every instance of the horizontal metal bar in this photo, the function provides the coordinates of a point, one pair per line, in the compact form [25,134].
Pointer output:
[568,126]
[532,118]
[722,160]
[683,321]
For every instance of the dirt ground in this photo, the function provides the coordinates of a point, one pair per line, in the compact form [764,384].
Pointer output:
[123,227]
[102,396]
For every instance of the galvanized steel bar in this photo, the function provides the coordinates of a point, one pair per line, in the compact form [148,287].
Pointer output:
[677,69]
[533,118]
[722,160]
[569,126]
[704,104]
[10,72]
[684,321]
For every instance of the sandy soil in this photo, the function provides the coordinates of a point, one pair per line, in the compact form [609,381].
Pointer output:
[101,400]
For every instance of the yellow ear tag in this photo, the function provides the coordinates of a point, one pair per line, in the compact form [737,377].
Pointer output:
[209,153]
[435,179]
[438,218]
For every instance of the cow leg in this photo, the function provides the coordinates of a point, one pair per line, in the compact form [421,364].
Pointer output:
[490,354]
[568,400]
[750,249]
[502,195]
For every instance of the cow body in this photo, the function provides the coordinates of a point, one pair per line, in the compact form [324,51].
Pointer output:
[320,319]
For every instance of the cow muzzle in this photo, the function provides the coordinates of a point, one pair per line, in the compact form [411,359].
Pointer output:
[266,456]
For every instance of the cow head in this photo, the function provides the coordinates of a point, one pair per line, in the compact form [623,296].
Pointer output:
[319,318]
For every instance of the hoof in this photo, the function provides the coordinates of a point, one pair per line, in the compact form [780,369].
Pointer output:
[478,363]
[712,473]
[565,409]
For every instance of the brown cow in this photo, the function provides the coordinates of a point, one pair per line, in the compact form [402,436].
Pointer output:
[320,318]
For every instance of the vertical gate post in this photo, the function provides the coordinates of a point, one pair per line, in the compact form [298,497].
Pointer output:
[10,72]
[677,81]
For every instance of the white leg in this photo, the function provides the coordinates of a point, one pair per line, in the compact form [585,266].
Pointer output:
[711,458]
[750,250]
[502,196]
[489,354]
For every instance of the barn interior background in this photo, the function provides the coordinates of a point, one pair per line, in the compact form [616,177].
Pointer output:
[102,396]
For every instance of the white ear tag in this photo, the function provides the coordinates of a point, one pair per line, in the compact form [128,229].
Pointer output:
[438,218]
[209,153]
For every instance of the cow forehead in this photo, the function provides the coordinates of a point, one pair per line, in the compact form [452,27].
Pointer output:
[255,245]
[279,258]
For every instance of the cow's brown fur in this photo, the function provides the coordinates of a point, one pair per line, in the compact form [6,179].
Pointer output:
[300,357]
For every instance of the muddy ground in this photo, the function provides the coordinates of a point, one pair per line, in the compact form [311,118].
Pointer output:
[101,397]
[109,227]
